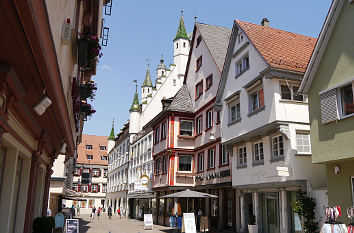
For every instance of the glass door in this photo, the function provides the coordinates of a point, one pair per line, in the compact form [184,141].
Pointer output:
[272,212]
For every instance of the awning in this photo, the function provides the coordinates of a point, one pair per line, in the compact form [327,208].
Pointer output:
[189,193]
[72,198]
[141,195]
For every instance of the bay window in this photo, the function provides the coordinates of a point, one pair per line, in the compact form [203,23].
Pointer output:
[200,162]
[157,135]
[185,163]
[186,128]
[289,92]
[163,131]
[199,125]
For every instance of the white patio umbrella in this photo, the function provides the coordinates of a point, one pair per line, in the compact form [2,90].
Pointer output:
[189,193]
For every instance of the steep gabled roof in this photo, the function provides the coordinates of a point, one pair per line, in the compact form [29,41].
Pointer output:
[181,101]
[280,49]
[216,39]
[323,38]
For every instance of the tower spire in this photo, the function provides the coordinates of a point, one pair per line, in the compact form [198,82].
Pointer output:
[147,80]
[135,105]
[111,136]
[181,31]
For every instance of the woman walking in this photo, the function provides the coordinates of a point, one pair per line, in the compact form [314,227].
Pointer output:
[109,212]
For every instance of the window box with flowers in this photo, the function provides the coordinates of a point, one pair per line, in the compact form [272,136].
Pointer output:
[88,51]
[88,90]
[86,110]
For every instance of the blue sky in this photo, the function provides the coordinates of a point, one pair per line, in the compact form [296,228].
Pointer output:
[141,30]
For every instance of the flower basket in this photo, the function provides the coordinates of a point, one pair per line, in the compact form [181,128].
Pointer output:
[88,52]
[86,110]
[82,52]
[88,90]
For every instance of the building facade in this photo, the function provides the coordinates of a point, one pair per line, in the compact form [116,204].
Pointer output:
[117,181]
[40,104]
[264,123]
[90,174]
[328,81]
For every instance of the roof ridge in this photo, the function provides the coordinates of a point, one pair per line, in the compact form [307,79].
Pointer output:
[277,29]
[213,25]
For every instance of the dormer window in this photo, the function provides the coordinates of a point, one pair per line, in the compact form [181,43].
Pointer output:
[199,39]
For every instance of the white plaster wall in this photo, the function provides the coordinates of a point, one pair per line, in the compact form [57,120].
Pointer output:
[59,166]
[180,55]
[181,142]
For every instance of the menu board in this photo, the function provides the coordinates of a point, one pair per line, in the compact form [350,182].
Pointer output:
[188,224]
[72,226]
[148,221]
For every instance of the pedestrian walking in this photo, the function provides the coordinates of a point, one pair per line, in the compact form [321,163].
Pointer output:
[109,212]
[119,213]
[93,212]
[78,210]
[98,213]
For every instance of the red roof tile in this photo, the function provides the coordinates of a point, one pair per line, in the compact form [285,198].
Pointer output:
[95,142]
[280,49]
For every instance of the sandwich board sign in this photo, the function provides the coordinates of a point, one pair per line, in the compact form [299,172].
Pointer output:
[72,226]
[148,221]
[188,223]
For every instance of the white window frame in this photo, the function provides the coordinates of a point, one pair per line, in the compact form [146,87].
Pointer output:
[199,124]
[104,188]
[163,130]
[211,158]
[276,152]
[302,139]
[179,159]
[82,188]
[104,147]
[183,120]
[224,155]
[237,111]
[88,147]
[242,155]
[259,154]
[209,118]
[241,65]
[253,93]
[95,172]
[200,161]
[94,188]
[87,157]
[340,100]
[292,93]
[240,37]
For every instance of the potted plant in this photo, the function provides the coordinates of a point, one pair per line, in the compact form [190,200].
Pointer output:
[252,227]
[43,225]
[88,51]
[88,90]
[86,110]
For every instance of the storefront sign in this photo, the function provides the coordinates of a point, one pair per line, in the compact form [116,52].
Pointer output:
[144,179]
[283,171]
[148,221]
[72,226]
[188,224]
[138,186]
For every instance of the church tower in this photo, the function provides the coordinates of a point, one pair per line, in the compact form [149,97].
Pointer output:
[146,88]
[181,48]
[134,121]
[111,138]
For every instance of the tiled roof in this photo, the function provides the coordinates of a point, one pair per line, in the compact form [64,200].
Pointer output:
[280,49]
[182,101]
[96,142]
[217,40]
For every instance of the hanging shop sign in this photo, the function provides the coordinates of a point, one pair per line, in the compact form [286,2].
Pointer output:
[144,179]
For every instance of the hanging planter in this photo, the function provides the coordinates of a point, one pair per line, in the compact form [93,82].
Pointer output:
[88,90]
[88,52]
[86,110]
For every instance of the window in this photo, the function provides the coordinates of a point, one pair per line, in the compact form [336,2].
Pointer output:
[234,112]
[89,157]
[158,166]
[240,37]
[278,146]
[199,39]
[102,147]
[176,45]
[242,65]
[149,145]
[123,147]
[289,92]
[186,128]
[209,119]
[209,81]
[199,63]
[211,158]
[199,89]
[199,125]
[200,162]
[163,72]
[103,157]
[157,134]
[84,188]
[303,143]
[185,163]
[77,172]
[174,82]
[88,147]
[75,187]
[163,130]
[184,44]
[258,151]
[224,155]
[94,188]
[347,102]
[105,172]
[242,155]
[164,164]
[257,100]
[96,172]
[104,188]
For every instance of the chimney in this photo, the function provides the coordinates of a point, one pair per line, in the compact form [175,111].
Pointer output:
[265,22]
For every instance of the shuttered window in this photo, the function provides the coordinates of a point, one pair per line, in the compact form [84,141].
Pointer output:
[329,108]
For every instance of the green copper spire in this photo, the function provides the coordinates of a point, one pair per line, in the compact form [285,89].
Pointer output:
[147,80]
[181,32]
[135,105]
[111,136]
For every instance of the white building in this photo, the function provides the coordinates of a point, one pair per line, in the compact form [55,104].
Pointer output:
[118,159]
[265,124]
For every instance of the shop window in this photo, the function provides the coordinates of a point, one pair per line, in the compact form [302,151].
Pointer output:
[186,128]
[278,146]
[185,163]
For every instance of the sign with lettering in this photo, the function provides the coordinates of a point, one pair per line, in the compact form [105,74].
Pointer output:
[188,223]
[148,221]
[72,226]
[144,179]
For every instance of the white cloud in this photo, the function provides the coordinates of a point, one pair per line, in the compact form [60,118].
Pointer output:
[106,67]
